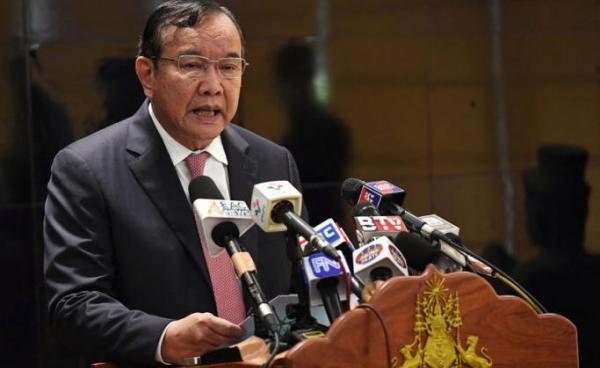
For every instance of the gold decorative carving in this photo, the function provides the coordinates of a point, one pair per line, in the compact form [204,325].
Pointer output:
[437,342]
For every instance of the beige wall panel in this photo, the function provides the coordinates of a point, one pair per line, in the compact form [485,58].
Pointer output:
[88,20]
[418,198]
[551,55]
[460,58]
[261,113]
[463,134]
[378,19]
[458,16]
[275,19]
[550,15]
[260,108]
[474,203]
[397,60]
[554,113]
[69,72]
[389,128]
[388,17]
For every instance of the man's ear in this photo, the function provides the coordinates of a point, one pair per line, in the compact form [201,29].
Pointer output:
[144,70]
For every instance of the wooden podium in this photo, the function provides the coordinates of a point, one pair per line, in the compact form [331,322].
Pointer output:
[437,321]
[441,321]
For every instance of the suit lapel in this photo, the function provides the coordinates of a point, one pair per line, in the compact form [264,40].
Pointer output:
[243,172]
[150,163]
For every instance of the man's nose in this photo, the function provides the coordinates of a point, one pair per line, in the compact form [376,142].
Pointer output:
[210,83]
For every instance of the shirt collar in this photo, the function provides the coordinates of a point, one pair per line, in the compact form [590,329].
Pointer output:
[179,152]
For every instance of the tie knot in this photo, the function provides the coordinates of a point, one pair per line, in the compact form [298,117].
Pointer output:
[196,162]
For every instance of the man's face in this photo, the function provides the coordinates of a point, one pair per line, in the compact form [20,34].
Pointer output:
[194,111]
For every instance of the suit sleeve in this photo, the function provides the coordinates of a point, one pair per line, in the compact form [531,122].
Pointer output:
[79,264]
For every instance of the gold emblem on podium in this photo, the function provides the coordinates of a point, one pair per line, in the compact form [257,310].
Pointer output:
[437,341]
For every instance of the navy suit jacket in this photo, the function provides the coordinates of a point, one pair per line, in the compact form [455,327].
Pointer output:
[122,254]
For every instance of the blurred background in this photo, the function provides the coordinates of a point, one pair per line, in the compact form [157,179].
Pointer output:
[448,99]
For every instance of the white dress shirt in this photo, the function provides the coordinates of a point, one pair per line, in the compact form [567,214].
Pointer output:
[215,168]
[216,165]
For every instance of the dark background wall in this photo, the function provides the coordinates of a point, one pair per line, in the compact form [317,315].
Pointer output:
[412,82]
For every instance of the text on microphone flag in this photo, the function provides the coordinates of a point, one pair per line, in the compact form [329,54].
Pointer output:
[398,257]
[368,253]
[228,208]
[380,223]
[330,231]
[322,266]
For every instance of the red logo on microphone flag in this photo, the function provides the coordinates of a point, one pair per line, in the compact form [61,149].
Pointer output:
[384,187]
[369,195]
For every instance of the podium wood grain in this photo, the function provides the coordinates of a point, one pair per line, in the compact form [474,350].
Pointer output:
[513,334]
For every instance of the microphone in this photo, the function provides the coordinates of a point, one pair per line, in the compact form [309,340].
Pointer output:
[324,278]
[226,235]
[365,209]
[357,191]
[441,224]
[389,203]
[335,235]
[379,260]
[223,219]
[418,251]
[372,227]
[449,260]
[276,206]
[211,209]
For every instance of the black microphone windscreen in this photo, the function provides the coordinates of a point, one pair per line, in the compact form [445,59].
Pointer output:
[351,188]
[365,209]
[203,187]
[417,251]
[223,232]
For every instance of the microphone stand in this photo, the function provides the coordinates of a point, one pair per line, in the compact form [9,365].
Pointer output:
[299,313]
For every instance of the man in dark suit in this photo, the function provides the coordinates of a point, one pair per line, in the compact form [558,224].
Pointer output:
[126,274]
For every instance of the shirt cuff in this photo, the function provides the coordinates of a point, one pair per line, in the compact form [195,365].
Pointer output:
[157,355]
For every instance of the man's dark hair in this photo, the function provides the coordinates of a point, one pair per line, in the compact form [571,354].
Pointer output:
[180,13]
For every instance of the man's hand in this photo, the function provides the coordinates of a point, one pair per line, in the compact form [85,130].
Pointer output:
[370,289]
[196,334]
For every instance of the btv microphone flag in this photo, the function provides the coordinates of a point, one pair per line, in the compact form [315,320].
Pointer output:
[379,254]
[264,198]
[214,211]
[372,227]
[374,192]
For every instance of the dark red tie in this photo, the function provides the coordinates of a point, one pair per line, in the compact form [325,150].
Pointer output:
[226,287]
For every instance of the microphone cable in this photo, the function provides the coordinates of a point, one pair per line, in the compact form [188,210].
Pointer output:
[503,277]
[273,351]
[347,285]
[384,326]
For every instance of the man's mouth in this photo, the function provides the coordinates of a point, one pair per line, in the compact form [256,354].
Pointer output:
[206,112]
